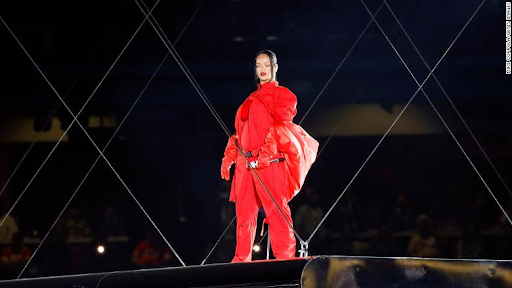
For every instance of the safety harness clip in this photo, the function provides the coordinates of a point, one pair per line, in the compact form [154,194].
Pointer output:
[303,252]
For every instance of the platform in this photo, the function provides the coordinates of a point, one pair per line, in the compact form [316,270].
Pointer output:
[320,271]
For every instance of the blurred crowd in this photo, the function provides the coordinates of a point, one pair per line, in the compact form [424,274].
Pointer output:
[442,225]
[444,230]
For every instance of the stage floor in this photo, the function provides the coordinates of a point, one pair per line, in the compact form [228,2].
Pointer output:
[319,271]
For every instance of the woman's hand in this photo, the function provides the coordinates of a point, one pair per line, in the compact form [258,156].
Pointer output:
[229,157]
[224,168]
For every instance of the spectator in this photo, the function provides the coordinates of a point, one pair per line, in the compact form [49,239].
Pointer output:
[16,253]
[113,224]
[224,215]
[342,225]
[56,251]
[471,245]
[14,257]
[402,217]
[383,244]
[8,228]
[151,253]
[423,243]
[76,226]
[503,243]
[309,214]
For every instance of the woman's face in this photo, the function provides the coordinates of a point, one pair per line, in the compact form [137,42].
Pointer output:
[264,68]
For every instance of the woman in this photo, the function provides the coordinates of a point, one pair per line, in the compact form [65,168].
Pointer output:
[281,153]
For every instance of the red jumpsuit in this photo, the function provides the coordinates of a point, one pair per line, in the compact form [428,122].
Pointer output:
[263,126]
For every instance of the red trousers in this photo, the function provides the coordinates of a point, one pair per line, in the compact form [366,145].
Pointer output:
[252,196]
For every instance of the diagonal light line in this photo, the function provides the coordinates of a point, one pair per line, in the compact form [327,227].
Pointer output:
[399,115]
[50,117]
[452,104]
[339,66]
[441,117]
[60,98]
[182,65]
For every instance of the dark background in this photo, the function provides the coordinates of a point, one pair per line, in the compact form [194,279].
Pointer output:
[169,149]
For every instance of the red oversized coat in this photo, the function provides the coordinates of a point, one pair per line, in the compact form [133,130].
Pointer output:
[274,135]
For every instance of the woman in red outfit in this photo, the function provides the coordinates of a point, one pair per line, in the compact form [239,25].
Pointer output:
[282,153]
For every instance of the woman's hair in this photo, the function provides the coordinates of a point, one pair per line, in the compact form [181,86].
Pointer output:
[273,61]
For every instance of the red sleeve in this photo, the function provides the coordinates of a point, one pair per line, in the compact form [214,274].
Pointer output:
[231,151]
[286,105]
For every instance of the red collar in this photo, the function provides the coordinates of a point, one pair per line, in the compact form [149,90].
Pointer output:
[268,85]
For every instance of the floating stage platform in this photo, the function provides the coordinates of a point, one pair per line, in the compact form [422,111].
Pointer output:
[319,271]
